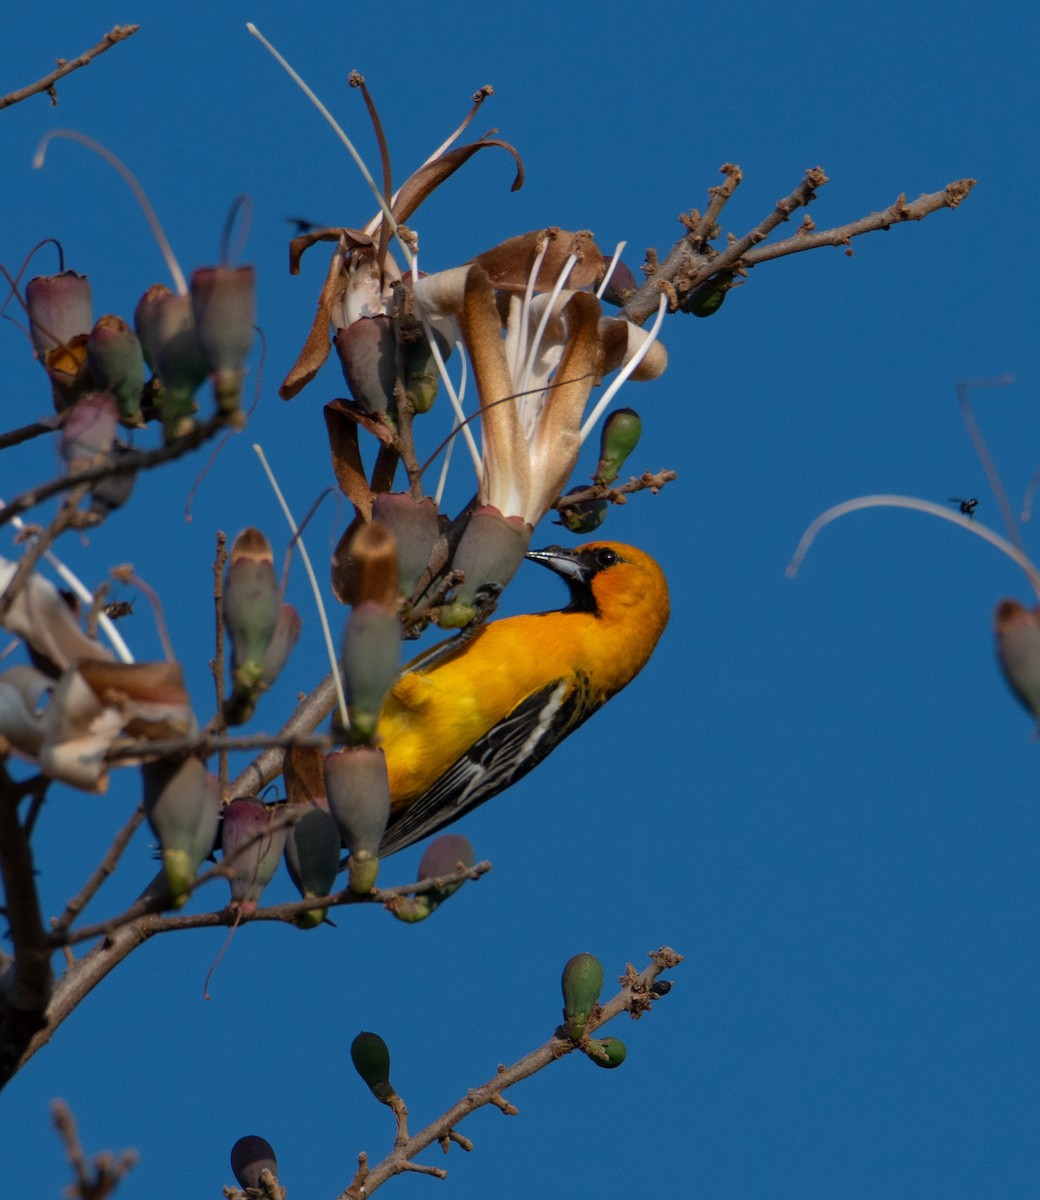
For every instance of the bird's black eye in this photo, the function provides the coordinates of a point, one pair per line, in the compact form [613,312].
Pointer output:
[606,558]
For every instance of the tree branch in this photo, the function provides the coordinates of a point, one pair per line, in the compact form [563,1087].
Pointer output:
[66,66]
[635,997]
[27,982]
[692,261]
[134,461]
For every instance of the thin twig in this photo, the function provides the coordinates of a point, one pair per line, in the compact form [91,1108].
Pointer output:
[66,516]
[649,480]
[634,997]
[218,724]
[98,1179]
[15,437]
[687,266]
[211,743]
[151,907]
[66,66]
[127,463]
[28,983]
[104,869]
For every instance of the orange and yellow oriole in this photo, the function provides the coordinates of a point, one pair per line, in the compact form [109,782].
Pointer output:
[468,718]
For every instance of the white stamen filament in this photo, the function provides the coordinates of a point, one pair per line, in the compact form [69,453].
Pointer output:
[520,348]
[626,371]
[913,503]
[618,251]
[322,617]
[529,409]
[366,174]
[165,249]
[83,592]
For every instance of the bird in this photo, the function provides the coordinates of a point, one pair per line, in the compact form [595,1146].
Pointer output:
[468,718]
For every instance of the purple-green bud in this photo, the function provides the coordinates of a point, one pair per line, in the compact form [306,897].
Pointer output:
[581,983]
[312,858]
[358,791]
[286,635]
[251,605]
[113,491]
[490,551]
[443,856]
[223,302]
[371,1058]
[416,528]
[182,804]
[585,517]
[620,436]
[707,299]
[116,363]
[419,369]
[367,352]
[371,657]
[60,309]
[166,328]
[249,1156]
[1017,632]
[89,431]
[606,1052]
[253,840]
[621,284]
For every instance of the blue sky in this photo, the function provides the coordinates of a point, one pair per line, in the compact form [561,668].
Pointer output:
[820,790]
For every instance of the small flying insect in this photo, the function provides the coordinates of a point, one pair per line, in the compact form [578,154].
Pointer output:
[967,507]
[304,225]
[118,609]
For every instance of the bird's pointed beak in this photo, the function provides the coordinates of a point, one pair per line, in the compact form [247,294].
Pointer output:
[564,562]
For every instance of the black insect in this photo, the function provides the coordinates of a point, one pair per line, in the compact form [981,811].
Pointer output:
[967,507]
[117,609]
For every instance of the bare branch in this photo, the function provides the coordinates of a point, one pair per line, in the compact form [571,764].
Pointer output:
[92,1181]
[649,480]
[635,997]
[691,262]
[133,461]
[102,872]
[950,197]
[25,987]
[66,66]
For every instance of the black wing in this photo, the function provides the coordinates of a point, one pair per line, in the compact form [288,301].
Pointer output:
[502,756]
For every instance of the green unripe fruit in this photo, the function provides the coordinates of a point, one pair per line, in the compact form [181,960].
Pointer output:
[582,983]
[607,1053]
[371,1059]
[708,298]
[619,438]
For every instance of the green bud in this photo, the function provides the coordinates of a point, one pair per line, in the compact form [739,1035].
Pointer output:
[585,517]
[582,983]
[371,1059]
[619,438]
[708,298]
[606,1052]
